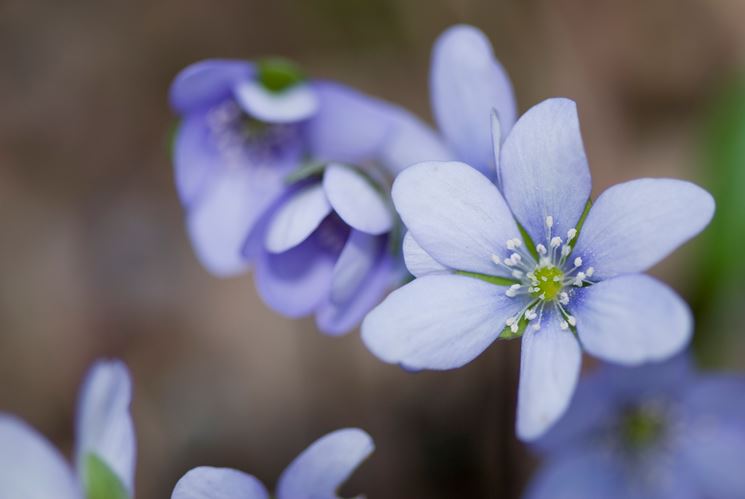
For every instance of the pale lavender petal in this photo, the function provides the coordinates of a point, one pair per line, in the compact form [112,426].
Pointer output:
[580,474]
[358,257]
[324,466]
[104,425]
[418,261]
[206,83]
[544,169]
[456,214]
[438,321]
[297,218]
[218,483]
[549,369]
[339,318]
[636,224]
[356,200]
[294,104]
[632,319]
[467,83]
[411,141]
[349,127]
[30,468]
[295,282]
[195,158]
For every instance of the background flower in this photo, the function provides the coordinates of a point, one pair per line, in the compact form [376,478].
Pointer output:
[662,430]
[316,473]
[30,468]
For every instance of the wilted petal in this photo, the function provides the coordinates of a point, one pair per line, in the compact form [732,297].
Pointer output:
[321,468]
[294,104]
[206,83]
[356,200]
[467,83]
[632,319]
[549,368]
[104,424]
[636,224]
[339,318]
[30,468]
[297,218]
[218,483]
[438,321]
[544,169]
[349,127]
[417,260]
[456,214]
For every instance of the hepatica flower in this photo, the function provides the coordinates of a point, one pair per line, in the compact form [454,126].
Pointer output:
[650,432]
[316,473]
[526,262]
[104,466]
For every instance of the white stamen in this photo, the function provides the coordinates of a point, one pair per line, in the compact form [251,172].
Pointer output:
[564,298]
[556,242]
[496,260]
[571,234]
[572,320]
[541,249]
[515,258]
[511,245]
[530,315]
[590,271]
[517,242]
[510,321]
[537,327]
[565,250]
[580,277]
[514,328]
[517,274]
[549,221]
[578,262]
[564,325]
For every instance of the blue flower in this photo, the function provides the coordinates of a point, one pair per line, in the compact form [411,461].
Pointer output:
[514,263]
[315,474]
[105,446]
[650,432]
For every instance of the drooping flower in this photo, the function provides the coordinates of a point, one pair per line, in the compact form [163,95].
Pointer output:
[316,473]
[525,262]
[105,447]
[651,432]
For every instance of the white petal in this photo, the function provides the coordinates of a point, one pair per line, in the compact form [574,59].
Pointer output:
[417,260]
[356,200]
[438,321]
[297,218]
[549,369]
[30,468]
[456,214]
[218,483]
[632,319]
[294,104]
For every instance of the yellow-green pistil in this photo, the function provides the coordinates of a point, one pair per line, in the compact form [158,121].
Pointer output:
[550,283]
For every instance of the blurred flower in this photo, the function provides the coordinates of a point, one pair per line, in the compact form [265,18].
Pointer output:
[650,432]
[104,449]
[478,268]
[315,474]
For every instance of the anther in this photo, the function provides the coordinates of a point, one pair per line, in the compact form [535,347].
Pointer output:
[556,242]
[564,298]
[590,271]
[571,234]
[578,262]
[549,221]
[541,249]
[564,325]
[572,320]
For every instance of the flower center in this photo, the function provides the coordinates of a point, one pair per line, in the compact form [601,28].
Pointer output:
[642,426]
[548,277]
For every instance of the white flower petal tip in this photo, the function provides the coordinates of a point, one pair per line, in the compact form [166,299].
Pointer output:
[218,483]
[294,104]
[356,200]
[297,218]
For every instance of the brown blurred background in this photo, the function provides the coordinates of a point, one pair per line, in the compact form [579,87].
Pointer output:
[94,260]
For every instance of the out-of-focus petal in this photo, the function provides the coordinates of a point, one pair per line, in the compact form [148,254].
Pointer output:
[358,257]
[438,321]
[417,260]
[544,169]
[30,468]
[324,466]
[104,424]
[356,200]
[297,218]
[632,319]
[467,83]
[456,214]
[294,104]
[195,158]
[339,318]
[218,483]
[206,83]
[295,282]
[580,474]
[636,224]
[549,369]
[411,141]
[349,127]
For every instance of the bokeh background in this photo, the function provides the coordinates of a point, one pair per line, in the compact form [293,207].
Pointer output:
[94,260]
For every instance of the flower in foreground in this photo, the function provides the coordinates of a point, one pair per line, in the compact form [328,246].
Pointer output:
[105,447]
[651,432]
[525,262]
[316,473]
